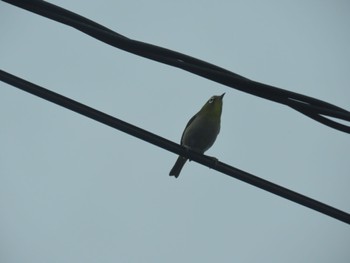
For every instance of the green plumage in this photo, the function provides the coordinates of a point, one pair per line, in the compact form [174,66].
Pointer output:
[201,131]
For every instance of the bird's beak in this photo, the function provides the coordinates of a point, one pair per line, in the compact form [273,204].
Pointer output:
[222,96]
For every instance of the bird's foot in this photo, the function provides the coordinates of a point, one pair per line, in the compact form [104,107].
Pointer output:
[214,163]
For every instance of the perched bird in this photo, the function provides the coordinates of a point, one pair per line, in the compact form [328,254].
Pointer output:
[201,131]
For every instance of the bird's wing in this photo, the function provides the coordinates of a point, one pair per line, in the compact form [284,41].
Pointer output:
[188,124]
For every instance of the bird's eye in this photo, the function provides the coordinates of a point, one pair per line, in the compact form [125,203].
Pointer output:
[211,100]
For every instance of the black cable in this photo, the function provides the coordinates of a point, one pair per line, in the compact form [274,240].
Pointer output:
[311,107]
[173,147]
[304,104]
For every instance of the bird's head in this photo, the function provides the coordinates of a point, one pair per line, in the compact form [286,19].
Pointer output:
[213,107]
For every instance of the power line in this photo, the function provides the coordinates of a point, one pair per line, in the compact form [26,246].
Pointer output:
[313,108]
[173,147]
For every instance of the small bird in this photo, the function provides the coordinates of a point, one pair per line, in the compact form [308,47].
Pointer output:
[201,131]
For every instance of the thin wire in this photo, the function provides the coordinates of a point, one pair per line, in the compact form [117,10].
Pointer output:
[311,107]
[304,104]
[173,147]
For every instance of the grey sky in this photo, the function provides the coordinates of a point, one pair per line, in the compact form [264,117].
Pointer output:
[74,190]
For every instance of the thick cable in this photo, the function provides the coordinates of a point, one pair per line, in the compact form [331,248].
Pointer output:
[311,107]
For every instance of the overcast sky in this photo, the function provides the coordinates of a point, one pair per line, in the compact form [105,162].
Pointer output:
[74,190]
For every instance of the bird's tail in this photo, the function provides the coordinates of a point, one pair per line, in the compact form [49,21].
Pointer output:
[180,162]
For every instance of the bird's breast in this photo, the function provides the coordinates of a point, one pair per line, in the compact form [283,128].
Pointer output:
[200,135]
